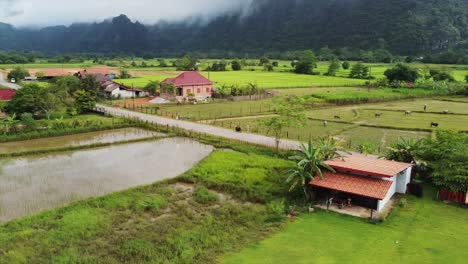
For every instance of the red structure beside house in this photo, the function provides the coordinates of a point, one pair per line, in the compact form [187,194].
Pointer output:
[7,95]
[191,82]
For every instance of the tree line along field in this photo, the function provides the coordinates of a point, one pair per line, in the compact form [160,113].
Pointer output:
[280,77]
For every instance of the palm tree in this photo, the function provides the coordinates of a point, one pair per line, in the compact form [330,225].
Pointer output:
[330,148]
[310,162]
[403,151]
[9,122]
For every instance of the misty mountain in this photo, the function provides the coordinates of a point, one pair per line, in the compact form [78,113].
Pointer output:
[406,27]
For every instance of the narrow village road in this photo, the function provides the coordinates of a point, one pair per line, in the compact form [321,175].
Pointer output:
[7,84]
[215,131]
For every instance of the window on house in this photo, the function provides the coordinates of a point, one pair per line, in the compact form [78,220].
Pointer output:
[198,90]
[208,90]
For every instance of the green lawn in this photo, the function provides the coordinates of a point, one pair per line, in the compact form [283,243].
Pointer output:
[425,231]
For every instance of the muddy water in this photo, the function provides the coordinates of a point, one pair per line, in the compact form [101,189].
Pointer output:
[108,136]
[29,185]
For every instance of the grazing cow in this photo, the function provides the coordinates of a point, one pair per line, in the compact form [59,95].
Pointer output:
[378,114]
[337,117]
[408,112]
[434,124]
[325,123]
[445,112]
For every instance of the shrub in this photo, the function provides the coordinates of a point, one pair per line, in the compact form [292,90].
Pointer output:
[205,196]
[345,65]
[359,71]
[18,74]
[236,66]
[276,209]
[402,72]
[403,203]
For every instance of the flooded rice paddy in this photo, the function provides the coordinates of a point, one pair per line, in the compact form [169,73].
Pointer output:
[31,184]
[107,136]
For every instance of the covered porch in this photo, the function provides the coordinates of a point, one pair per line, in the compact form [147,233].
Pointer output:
[354,195]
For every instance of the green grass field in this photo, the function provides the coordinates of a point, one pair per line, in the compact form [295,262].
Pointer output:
[425,231]
[261,78]
[159,223]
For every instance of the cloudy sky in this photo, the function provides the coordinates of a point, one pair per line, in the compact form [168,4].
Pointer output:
[57,12]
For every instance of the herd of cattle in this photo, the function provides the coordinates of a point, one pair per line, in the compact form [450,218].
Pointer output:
[380,114]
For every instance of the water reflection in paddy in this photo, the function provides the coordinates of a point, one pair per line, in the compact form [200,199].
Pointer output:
[107,136]
[29,185]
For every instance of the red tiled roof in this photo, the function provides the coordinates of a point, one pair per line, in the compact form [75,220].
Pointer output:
[359,185]
[6,95]
[189,78]
[369,166]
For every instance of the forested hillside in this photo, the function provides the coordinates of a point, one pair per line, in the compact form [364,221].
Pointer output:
[403,27]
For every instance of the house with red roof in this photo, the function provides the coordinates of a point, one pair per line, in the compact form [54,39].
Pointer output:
[363,181]
[7,94]
[191,82]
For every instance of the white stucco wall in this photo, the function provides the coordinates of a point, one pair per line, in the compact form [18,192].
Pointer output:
[390,193]
[399,183]
[124,93]
[402,180]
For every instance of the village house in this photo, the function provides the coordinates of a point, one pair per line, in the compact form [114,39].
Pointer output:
[191,82]
[363,181]
[111,88]
[116,90]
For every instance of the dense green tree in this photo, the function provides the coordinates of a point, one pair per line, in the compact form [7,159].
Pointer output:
[124,74]
[333,68]
[28,120]
[264,60]
[275,64]
[402,72]
[290,113]
[306,62]
[152,87]
[218,66]
[186,63]
[84,101]
[18,74]
[446,157]
[359,71]
[345,65]
[466,78]
[438,75]
[168,88]
[236,66]
[35,99]
[162,63]
[90,85]
[268,67]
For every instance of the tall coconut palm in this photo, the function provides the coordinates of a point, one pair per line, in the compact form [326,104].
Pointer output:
[310,162]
